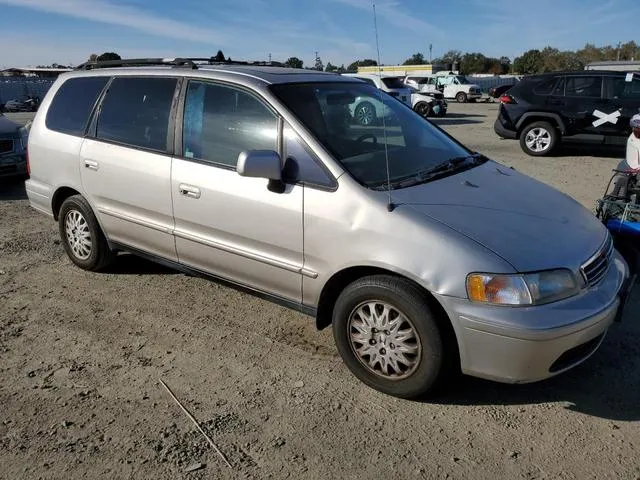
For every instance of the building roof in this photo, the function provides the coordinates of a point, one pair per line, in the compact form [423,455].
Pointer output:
[615,62]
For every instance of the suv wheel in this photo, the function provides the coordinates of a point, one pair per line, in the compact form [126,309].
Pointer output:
[365,113]
[81,235]
[423,109]
[388,337]
[538,138]
[461,97]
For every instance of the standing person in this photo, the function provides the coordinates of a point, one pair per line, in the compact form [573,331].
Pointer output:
[632,158]
[631,163]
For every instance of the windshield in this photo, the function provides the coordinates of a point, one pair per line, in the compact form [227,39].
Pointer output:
[347,118]
[393,82]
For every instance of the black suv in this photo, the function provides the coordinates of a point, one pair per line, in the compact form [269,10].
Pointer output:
[542,109]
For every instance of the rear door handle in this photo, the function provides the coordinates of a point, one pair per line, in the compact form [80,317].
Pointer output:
[91,164]
[189,191]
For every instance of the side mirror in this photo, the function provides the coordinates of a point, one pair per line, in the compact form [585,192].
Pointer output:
[260,164]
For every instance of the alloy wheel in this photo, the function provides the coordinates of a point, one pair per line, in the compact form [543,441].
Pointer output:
[384,340]
[538,139]
[78,234]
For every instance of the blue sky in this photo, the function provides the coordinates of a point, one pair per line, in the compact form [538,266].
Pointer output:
[45,31]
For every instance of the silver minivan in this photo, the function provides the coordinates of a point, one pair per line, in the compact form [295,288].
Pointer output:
[426,258]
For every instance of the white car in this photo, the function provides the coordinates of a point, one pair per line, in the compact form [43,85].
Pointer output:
[367,112]
[428,104]
[452,85]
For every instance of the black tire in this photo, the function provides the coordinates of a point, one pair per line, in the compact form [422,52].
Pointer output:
[99,255]
[365,114]
[461,97]
[432,363]
[551,136]
[423,109]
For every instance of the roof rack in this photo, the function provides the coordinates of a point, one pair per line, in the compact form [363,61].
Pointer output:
[175,62]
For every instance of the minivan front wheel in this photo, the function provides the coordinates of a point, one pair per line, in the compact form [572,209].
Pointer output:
[82,238]
[388,336]
[365,114]
[538,138]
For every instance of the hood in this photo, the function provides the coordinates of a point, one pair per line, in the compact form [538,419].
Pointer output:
[7,127]
[526,222]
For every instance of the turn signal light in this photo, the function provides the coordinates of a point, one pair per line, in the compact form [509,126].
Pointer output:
[506,99]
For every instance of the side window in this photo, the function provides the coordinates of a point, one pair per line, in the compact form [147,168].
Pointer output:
[618,88]
[587,86]
[136,111]
[558,90]
[301,164]
[220,122]
[546,87]
[70,108]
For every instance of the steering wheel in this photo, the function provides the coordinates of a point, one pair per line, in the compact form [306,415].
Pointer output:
[362,138]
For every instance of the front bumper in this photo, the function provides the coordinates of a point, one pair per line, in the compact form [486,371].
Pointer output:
[521,345]
[13,164]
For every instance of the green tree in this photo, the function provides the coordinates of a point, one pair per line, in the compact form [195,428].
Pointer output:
[294,62]
[219,56]
[505,65]
[473,63]
[416,59]
[530,62]
[452,56]
[367,62]
[93,57]
[318,64]
[108,56]
[330,68]
[629,50]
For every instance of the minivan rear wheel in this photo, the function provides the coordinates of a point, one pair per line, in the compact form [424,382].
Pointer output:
[388,336]
[538,138]
[81,235]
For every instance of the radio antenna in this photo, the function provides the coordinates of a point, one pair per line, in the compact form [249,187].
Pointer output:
[390,205]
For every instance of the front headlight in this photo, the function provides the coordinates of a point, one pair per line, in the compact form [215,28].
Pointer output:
[523,289]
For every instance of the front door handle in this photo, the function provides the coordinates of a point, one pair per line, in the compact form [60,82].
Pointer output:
[91,164]
[189,191]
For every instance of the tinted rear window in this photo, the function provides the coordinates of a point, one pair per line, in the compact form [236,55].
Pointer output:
[590,86]
[136,111]
[70,109]
[393,83]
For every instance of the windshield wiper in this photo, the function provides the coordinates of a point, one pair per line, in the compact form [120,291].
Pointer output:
[422,176]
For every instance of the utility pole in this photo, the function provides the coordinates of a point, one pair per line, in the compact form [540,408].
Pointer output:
[430,51]
[269,58]
[618,54]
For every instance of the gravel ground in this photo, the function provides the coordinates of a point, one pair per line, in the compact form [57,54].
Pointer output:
[81,355]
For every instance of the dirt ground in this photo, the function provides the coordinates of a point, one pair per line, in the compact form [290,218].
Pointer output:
[81,356]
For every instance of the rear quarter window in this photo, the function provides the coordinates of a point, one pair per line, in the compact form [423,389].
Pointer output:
[545,86]
[72,104]
[135,112]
